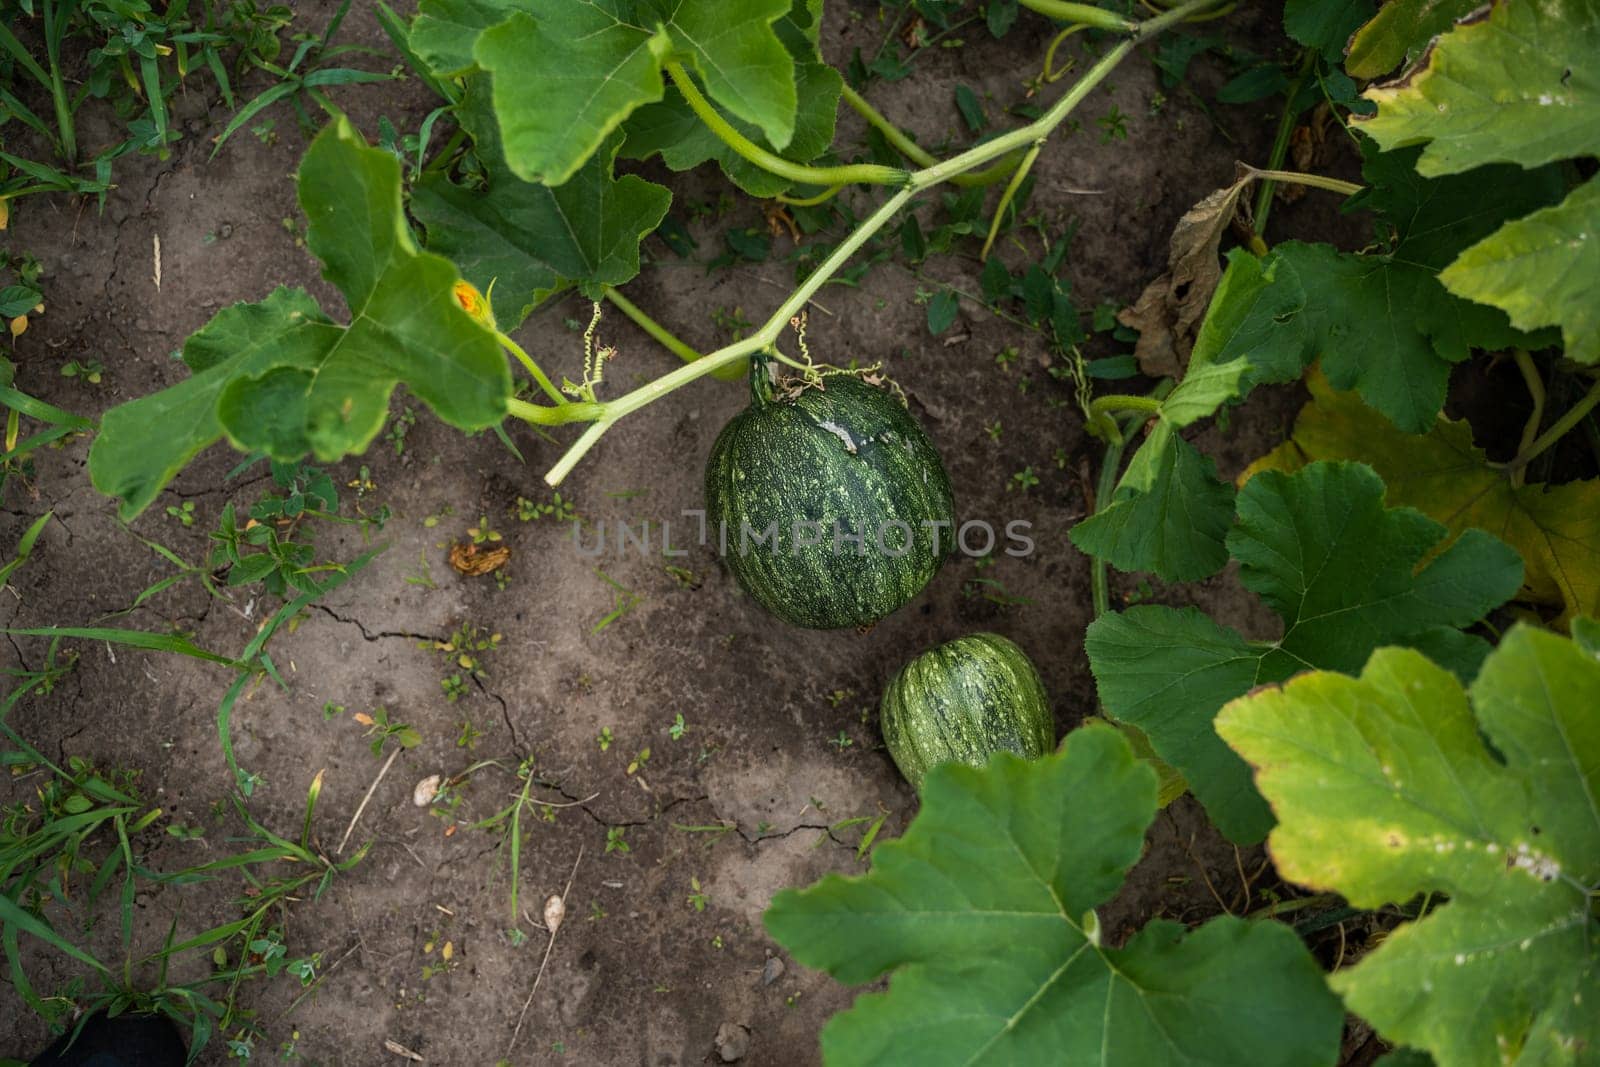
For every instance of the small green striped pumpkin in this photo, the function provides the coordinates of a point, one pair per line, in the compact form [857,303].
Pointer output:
[962,702]
[846,456]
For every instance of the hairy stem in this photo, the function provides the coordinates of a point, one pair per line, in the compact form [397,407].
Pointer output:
[532,368]
[902,143]
[1105,489]
[1280,148]
[1557,430]
[1088,14]
[559,415]
[1140,405]
[851,174]
[1530,431]
[1314,181]
[1012,186]
[765,337]
[661,334]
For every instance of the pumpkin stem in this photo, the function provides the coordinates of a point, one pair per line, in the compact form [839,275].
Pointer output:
[760,379]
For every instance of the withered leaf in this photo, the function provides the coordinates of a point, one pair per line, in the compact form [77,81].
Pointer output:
[471,559]
[1168,312]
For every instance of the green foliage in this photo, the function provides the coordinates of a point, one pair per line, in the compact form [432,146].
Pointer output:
[1325,25]
[1345,574]
[1537,271]
[670,129]
[1381,321]
[1170,511]
[566,75]
[1399,32]
[1518,87]
[127,57]
[76,846]
[1389,786]
[281,378]
[1444,474]
[984,913]
[522,242]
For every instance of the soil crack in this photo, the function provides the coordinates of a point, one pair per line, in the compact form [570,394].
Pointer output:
[378,635]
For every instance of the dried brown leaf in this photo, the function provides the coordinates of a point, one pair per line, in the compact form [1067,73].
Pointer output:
[471,559]
[1168,312]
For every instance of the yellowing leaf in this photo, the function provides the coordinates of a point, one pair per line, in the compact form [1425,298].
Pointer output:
[1516,85]
[1541,271]
[1400,29]
[1390,786]
[1556,529]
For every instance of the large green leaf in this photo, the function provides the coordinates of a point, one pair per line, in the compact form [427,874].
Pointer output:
[1170,511]
[671,130]
[282,378]
[1519,85]
[1325,25]
[1381,322]
[1399,31]
[444,32]
[1387,787]
[570,72]
[984,911]
[1345,574]
[1541,271]
[1556,528]
[530,241]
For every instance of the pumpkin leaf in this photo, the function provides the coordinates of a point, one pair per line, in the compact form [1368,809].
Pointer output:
[1399,32]
[522,242]
[444,31]
[1389,785]
[566,74]
[1381,322]
[671,130]
[1555,528]
[1170,511]
[1517,84]
[1345,574]
[984,913]
[1537,272]
[1325,25]
[281,377]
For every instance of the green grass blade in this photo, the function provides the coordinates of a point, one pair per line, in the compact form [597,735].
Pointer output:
[131,638]
[38,409]
[11,44]
[25,547]
[13,916]
[263,101]
[150,71]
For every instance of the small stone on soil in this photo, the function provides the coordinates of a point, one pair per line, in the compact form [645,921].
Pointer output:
[733,1041]
[772,971]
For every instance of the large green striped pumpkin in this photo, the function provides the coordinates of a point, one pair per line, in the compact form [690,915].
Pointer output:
[962,702]
[849,458]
